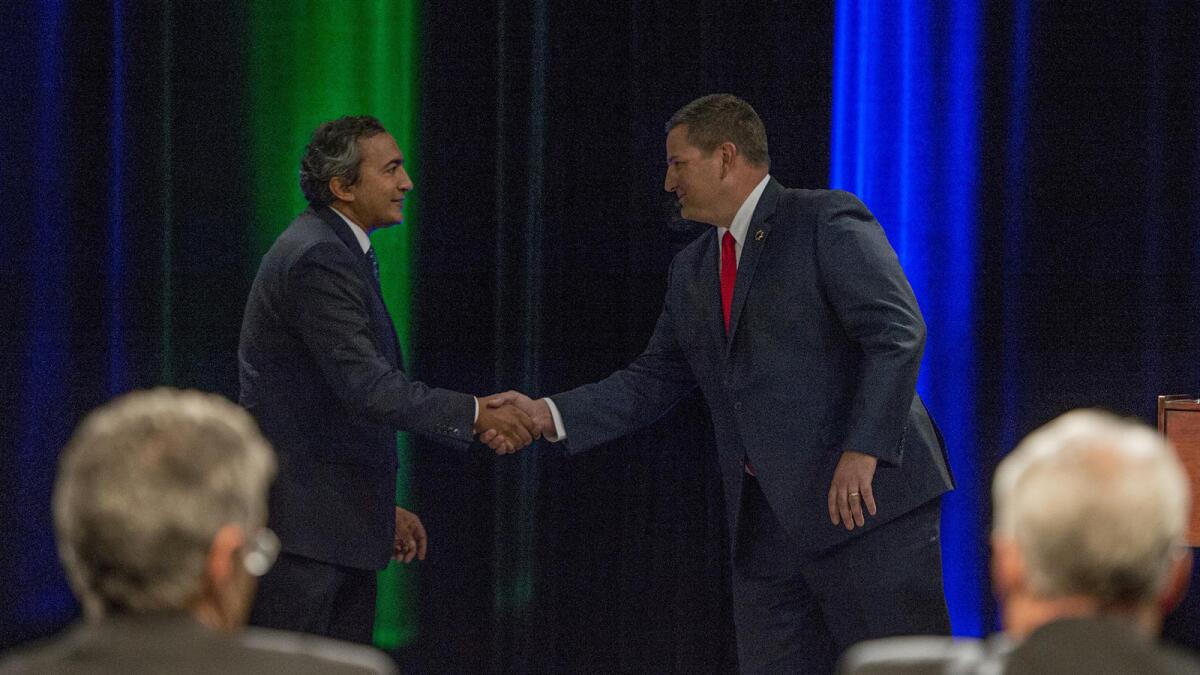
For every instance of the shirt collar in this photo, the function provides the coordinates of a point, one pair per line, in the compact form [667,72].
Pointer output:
[363,240]
[741,220]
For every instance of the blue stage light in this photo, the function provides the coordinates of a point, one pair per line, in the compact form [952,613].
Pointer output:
[905,138]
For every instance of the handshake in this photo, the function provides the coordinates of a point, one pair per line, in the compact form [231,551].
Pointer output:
[510,421]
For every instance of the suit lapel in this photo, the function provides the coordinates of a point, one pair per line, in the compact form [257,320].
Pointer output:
[381,317]
[711,291]
[757,236]
[343,232]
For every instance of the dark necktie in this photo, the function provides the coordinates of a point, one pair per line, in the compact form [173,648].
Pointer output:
[728,273]
[374,264]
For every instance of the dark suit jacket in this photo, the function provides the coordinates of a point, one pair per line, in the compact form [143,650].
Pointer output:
[177,644]
[824,347]
[1086,645]
[321,371]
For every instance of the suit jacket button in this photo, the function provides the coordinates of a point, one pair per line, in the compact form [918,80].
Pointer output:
[737,406]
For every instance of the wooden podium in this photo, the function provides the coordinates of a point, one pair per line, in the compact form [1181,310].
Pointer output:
[1179,421]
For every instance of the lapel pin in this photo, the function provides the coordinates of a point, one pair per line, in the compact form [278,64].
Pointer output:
[758,236]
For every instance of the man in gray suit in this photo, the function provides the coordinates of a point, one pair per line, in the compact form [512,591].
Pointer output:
[160,512]
[1088,554]
[794,318]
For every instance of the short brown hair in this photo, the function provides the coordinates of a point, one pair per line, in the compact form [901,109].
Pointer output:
[711,120]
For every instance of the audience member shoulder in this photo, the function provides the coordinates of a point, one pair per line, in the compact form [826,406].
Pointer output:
[310,653]
[925,655]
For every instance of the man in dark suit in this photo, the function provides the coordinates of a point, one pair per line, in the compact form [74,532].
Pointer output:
[159,511]
[1088,555]
[321,371]
[794,318]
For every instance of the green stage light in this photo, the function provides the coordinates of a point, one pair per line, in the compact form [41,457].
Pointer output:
[312,61]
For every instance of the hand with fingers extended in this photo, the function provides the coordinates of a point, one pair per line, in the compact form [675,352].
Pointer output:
[850,489]
[410,537]
[503,427]
[538,411]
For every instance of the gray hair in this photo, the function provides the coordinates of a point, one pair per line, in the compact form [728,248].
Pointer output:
[1097,506]
[142,489]
[711,120]
[333,152]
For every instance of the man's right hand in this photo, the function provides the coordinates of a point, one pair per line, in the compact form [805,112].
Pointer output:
[538,410]
[504,428]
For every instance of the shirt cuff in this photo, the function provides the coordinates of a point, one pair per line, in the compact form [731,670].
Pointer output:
[476,417]
[560,432]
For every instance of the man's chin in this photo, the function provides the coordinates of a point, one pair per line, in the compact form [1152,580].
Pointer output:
[694,216]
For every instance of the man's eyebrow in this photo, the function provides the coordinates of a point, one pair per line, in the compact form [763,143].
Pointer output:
[397,161]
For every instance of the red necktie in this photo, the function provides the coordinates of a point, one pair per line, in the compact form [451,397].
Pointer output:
[728,273]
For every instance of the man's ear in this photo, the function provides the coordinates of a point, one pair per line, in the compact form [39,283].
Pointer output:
[1179,574]
[1008,567]
[728,152]
[341,189]
[224,554]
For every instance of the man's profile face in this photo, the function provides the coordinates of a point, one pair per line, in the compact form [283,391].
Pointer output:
[694,177]
[382,183]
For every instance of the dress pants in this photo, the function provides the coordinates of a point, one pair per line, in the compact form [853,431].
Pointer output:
[796,614]
[310,596]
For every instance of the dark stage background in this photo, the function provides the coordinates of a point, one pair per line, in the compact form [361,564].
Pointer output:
[128,174]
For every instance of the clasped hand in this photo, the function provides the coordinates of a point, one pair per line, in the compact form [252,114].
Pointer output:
[511,420]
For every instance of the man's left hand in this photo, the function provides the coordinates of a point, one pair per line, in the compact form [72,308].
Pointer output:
[851,489]
[410,537]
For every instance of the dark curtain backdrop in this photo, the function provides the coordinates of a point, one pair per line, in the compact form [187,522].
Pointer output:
[1091,202]
[545,238]
[124,257]
[552,226]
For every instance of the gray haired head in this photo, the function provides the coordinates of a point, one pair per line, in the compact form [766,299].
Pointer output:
[333,152]
[1097,506]
[143,487]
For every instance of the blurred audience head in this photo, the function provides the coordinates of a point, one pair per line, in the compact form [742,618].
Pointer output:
[160,506]
[1090,514]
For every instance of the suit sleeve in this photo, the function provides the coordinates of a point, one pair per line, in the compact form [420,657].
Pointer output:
[325,301]
[631,398]
[864,282]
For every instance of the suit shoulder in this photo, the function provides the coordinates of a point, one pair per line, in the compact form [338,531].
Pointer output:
[308,653]
[690,256]
[308,237]
[820,200]
[914,655]
[305,229]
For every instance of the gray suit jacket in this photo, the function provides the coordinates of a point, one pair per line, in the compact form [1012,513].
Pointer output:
[822,356]
[177,644]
